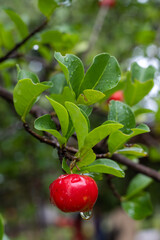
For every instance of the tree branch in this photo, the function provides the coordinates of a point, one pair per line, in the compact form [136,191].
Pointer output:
[36,111]
[18,45]
[6,95]
[52,143]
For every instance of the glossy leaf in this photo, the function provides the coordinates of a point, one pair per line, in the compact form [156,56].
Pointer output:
[73,69]
[86,117]
[136,91]
[136,150]
[58,83]
[94,175]
[47,7]
[122,113]
[79,122]
[90,96]
[138,207]
[103,74]
[138,183]
[142,74]
[99,133]
[45,123]
[118,138]
[86,109]
[23,74]
[21,26]
[66,95]
[25,94]
[62,115]
[86,156]
[105,166]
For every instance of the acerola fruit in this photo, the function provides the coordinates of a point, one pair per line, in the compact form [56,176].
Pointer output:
[117,96]
[107,3]
[73,193]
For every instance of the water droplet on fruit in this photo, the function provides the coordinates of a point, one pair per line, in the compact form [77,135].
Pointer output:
[86,215]
[75,179]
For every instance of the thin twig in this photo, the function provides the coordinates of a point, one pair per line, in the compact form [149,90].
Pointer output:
[18,45]
[117,157]
[53,143]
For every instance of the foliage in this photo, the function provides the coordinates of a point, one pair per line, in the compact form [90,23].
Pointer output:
[58,76]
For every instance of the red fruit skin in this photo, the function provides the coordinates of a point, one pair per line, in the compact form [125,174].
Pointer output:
[117,96]
[107,3]
[73,193]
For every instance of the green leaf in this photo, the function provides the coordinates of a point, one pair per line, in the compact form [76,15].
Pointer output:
[90,97]
[65,166]
[66,95]
[23,74]
[95,176]
[118,138]
[105,166]
[99,133]
[62,115]
[25,94]
[1,227]
[103,74]
[47,7]
[51,36]
[73,69]
[59,40]
[134,92]
[6,37]
[58,83]
[135,150]
[45,123]
[21,26]
[79,122]
[140,111]
[7,64]
[86,109]
[142,74]
[138,183]
[138,207]
[86,156]
[122,113]
[85,115]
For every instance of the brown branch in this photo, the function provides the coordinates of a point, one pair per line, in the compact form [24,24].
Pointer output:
[117,157]
[6,95]
[43,139]
[18,45]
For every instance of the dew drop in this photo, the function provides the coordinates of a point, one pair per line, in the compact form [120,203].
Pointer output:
[86,215]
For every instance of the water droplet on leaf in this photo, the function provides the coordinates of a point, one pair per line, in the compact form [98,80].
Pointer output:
[86,215]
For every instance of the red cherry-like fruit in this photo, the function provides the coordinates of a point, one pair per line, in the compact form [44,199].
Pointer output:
[117,96]
[74,193]
[107,3]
